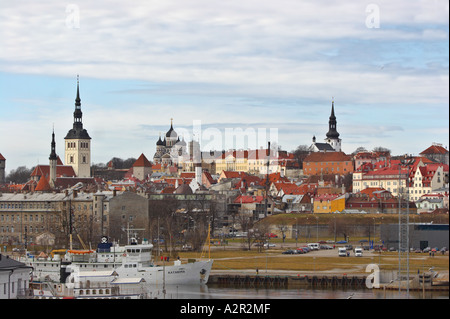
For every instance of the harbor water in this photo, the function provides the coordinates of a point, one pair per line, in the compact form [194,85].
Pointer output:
[219,292]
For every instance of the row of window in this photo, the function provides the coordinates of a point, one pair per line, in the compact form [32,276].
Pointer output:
[71,145]
[26,218]
[27,205]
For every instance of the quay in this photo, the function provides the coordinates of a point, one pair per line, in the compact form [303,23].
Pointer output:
[420,282]
[289,281]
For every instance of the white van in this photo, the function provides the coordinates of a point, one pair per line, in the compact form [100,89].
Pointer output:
[313,246]
[358,252]
[342,252]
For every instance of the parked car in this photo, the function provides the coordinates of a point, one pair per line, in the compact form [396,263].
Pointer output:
[267,245]
[288,252]
[342,252]
[378,247]
[426,250]
[348,247]
[326,247]
[271,235]
[300,251]
[306,249]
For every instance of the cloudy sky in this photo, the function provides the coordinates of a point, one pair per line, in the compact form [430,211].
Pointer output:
[236,65]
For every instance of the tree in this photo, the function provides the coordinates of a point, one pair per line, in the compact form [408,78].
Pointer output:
[381,149]
[300,153]
[20,175]
[359,150]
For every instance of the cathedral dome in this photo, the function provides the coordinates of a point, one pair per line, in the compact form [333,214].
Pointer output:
[171,132]
[160,142]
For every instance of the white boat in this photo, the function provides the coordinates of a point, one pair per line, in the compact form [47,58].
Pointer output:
[52,268]
[131,261]
[138,263]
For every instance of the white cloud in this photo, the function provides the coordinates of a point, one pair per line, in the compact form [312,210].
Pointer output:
[259,50]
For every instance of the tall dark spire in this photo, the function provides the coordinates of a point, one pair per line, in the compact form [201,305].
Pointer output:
[53,152]
[78,132]
[78,115]
[332,124]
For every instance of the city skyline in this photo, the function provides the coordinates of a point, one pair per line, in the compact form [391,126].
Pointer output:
[240,65]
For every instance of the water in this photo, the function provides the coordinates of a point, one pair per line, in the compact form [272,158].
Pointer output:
[220,292]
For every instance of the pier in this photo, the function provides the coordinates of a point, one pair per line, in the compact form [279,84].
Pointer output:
[289,281]
[335,281]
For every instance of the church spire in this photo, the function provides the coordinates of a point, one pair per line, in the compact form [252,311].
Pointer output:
[77,132]
[53,155]
[332,132]
[78,115]
[77,99]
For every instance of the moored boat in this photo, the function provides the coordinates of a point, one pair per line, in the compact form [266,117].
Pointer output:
[138,263]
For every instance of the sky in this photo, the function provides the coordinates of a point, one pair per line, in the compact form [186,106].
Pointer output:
[265,70]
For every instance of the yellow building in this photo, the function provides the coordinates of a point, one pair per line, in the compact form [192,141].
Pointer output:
[232,161]
[329,203]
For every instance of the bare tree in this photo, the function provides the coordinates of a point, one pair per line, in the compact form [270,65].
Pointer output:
[300,153]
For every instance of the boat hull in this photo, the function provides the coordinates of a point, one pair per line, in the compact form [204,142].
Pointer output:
[182,274]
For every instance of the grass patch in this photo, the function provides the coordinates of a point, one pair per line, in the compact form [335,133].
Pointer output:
[274,260]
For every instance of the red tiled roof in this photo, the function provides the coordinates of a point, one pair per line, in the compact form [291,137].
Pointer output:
[435,149]
[156,166]
[245,199]
[209,177]
[61,170]
[43,185]
[233,174]
[2,158]
[142,161]
[187,175]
